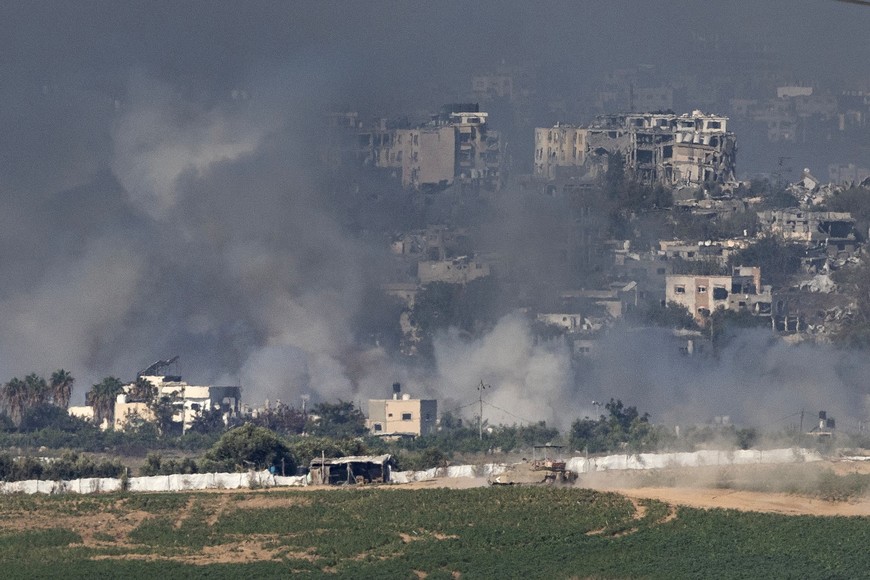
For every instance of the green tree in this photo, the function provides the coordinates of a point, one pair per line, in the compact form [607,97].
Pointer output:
[47,416]
[15,399]
[164,409]
[38,391]
[623,427]
[307,448]
[208,421]
[778,260]
[337,420]
[283,419]
[61,384]
[856,201]
[248,447]
[779,199]
[854,331]
[102,397]
[672,315]
[142,391]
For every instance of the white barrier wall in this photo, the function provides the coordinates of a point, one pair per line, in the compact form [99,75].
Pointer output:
[627,462]
[176,482]
[694,459]
[196,481]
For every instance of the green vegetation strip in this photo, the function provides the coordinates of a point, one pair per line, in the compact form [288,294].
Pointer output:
[396,533]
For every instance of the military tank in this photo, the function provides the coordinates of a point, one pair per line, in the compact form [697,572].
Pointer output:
[546,468]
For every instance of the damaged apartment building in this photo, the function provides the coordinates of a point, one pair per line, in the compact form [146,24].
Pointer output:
[702,295]
[456,146]
[658,148]
[833,231]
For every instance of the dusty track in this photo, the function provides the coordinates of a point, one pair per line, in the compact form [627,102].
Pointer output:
[748,501]
[700,488]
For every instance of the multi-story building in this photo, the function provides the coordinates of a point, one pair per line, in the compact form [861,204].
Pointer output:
[703,295]
[188,402]
[455,146]
[401,415]
[657,148]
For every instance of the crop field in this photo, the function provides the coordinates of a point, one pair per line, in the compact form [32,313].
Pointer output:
[401,533]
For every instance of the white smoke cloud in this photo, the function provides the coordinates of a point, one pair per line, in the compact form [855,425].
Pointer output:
[158,138]
[529,382]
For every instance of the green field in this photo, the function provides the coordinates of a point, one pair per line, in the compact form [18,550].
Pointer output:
[396,533]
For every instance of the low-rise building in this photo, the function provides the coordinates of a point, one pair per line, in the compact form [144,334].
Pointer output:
[139,399]
[402,415]
[798,225]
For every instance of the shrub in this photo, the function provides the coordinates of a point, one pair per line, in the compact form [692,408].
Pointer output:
[247,447]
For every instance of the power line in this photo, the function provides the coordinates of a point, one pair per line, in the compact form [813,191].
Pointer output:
[509,413]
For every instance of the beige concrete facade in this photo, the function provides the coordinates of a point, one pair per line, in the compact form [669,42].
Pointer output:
[657,147]
[188,401]
[125,412]
[428,156]
[808,226]
[703,295]
[402,416]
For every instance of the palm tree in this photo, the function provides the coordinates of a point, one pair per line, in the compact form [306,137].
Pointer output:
[14,396]
[102,398]
[61,387]
[38,392]
[142,391]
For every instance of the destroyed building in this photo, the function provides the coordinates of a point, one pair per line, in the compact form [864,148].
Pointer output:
[836,230]
[702,295]
[456,146]
[658,148]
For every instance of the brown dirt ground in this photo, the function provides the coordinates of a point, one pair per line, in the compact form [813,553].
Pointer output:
[698,487]
[688,487]
[749,501]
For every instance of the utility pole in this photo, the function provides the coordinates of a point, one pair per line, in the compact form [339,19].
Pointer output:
[480,389]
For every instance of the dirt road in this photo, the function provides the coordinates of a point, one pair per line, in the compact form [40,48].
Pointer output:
[748,501]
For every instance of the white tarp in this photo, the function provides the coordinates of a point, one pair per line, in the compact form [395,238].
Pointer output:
[195,481]
[484,470]
[176,482]
[694,459]
[627,462]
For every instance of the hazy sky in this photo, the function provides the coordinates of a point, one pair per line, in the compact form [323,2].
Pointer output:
[156,190]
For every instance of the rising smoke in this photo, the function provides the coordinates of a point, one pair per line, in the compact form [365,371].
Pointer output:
[161,195]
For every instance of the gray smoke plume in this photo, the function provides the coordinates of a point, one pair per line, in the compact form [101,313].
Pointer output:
[160,194]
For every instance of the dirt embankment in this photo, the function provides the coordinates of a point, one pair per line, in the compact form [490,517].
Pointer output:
[737,487]
[748,501]
[715,487]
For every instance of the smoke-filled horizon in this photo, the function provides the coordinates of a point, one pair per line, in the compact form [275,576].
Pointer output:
[161,195]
